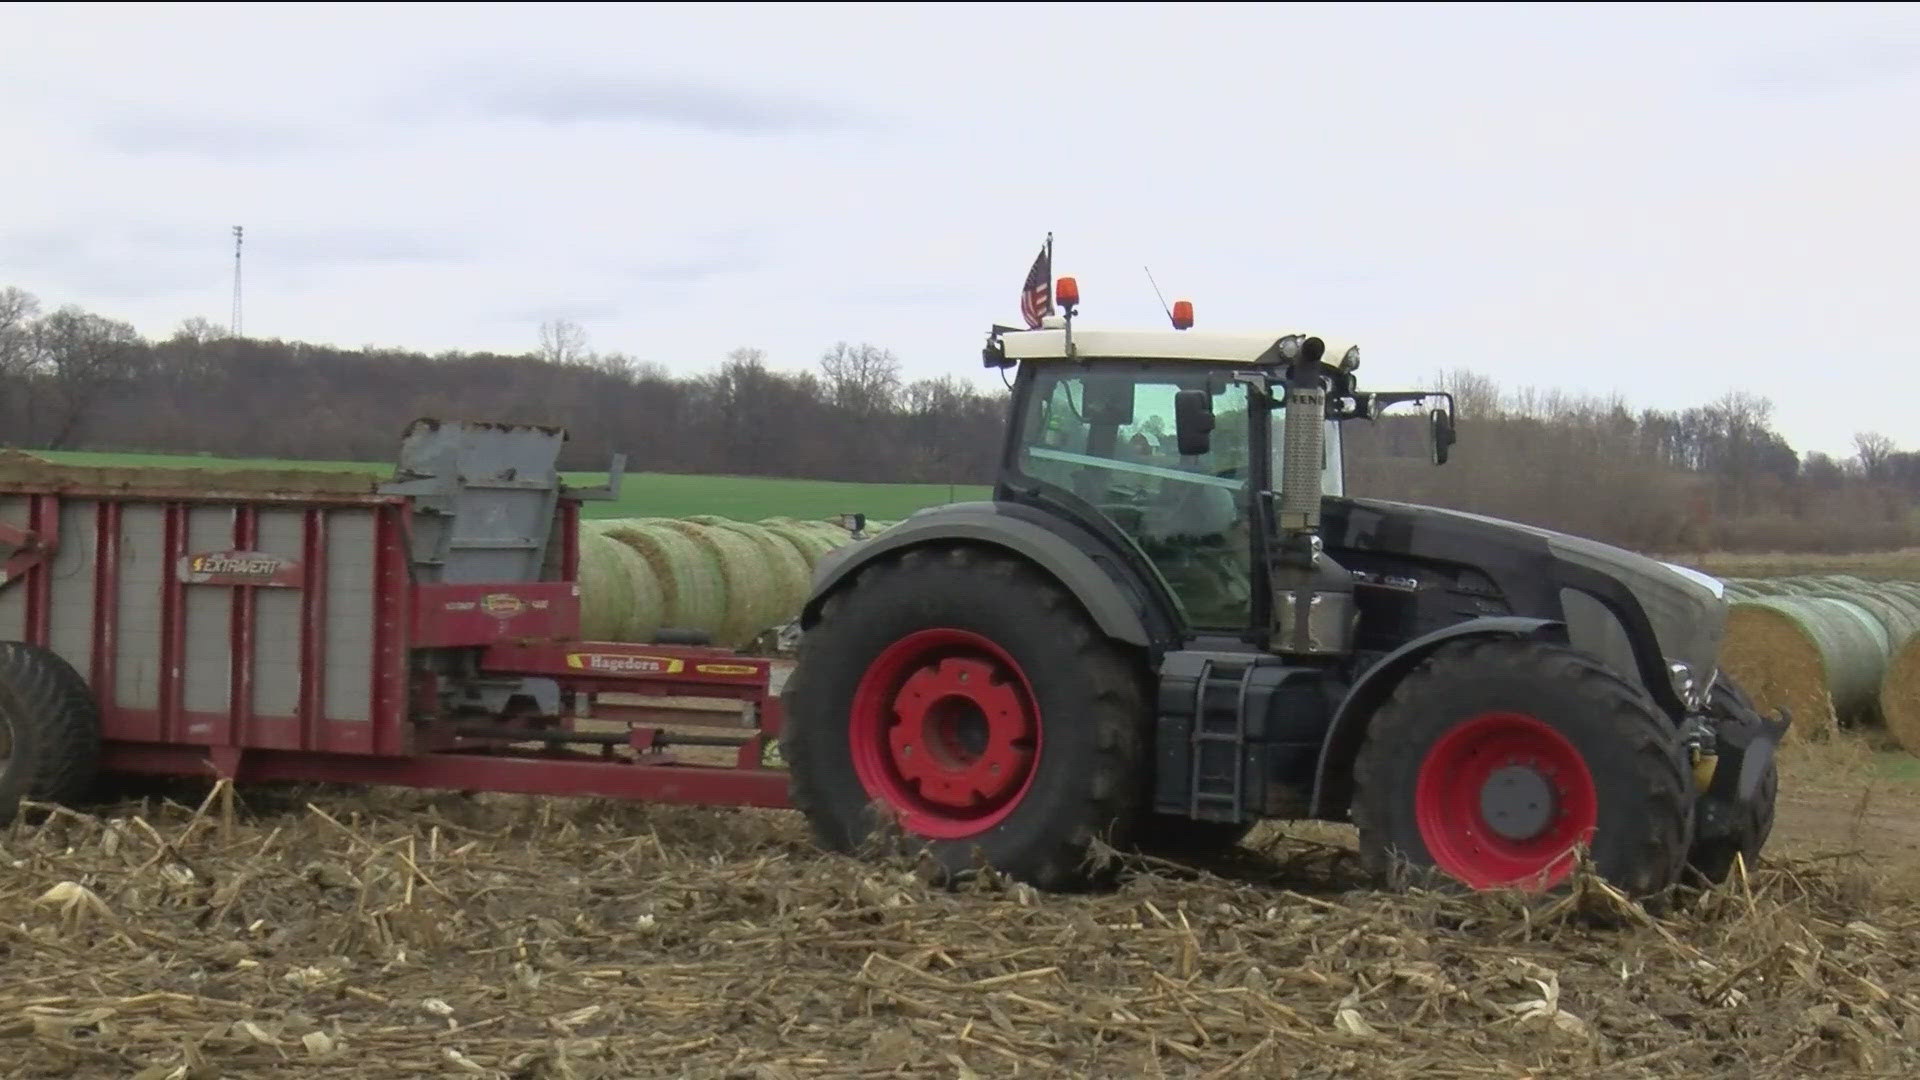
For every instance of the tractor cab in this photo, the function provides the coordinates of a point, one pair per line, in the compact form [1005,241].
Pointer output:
[1172,445]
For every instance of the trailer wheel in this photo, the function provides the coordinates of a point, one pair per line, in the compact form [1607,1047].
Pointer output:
[965,699]
[49,729]
[1497,758]
[1720,833]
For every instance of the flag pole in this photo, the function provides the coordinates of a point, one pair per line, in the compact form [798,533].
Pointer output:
[1050,264]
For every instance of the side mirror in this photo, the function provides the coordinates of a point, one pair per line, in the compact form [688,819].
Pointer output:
[1193,422]
[1440,425]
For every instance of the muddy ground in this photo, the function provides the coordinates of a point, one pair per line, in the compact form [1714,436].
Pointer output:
[341,933]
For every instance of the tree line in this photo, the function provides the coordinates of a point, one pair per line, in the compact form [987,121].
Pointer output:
[1714,477]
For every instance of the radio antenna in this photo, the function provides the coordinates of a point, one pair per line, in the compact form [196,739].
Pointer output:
[1162,299]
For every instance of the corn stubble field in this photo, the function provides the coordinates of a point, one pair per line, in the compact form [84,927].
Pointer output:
[347,933]
[343,932]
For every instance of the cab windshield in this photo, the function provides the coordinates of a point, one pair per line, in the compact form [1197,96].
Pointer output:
[1105,437]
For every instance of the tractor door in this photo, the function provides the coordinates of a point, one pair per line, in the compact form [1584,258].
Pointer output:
[1099,441]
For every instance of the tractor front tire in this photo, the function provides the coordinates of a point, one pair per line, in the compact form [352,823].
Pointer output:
[1497,758]
[49,730]
[961,701]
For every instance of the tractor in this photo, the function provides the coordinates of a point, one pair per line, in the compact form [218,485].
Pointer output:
[1172,621]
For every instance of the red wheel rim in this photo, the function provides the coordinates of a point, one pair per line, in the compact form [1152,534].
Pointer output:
[945,732]
[1503,800]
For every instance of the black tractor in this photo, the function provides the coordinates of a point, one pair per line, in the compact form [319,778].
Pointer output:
[1171,622]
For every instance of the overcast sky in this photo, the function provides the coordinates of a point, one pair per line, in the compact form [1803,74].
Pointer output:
[1664,202]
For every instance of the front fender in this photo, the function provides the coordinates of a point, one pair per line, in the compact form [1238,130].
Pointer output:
[1115,603]
[1333,776]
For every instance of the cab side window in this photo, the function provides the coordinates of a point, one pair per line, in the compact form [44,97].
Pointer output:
[1106,438]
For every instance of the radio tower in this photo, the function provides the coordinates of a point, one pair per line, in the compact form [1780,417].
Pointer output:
[236,280]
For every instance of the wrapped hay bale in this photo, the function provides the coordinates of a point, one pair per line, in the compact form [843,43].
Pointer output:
[1820,658]
[732,580]
[1898,613]
[811,545]
[692,594]
[1897,619]
[649,605]
[787,571]
[1907,589]
[1900,696]
[606,592]
[746,580]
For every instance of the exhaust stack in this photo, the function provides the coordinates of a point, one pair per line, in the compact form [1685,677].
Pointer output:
[1313,611]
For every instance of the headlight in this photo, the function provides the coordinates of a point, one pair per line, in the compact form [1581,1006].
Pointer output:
[1691,692]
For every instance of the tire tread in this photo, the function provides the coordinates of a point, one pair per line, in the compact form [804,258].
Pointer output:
[1639,731]
[57,725]
[1116,702]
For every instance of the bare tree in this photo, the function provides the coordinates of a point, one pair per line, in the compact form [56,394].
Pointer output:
[1475,395]
[623,368]
[199,331]
[562,341]
[1872,449]
[861,378]
[17,311]
[84,357]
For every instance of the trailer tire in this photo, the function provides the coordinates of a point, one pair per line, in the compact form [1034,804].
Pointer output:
[1496,757]
[52,741]
[958,702]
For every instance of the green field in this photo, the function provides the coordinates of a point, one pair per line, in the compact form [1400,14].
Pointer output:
[747,498]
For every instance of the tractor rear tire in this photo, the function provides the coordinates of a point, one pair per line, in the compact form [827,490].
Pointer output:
[49,730]
[1721,834]
[1497,757]
[962,702]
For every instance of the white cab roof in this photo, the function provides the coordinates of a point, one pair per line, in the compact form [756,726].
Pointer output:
[1211,346]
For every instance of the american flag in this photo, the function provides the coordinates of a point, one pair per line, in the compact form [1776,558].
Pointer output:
[1036,298]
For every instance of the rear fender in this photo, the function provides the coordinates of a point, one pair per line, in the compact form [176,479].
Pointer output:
[1102,585]
[1333,777]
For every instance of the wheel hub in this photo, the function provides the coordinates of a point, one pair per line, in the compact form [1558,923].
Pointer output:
[1517,802]
[962,738]
[1502,799]
[945,731]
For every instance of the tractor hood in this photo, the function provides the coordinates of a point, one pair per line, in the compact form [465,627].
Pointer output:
[1540,571]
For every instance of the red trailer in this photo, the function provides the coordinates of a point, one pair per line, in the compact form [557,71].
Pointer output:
[420,631]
